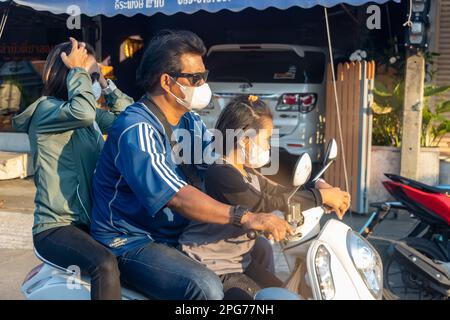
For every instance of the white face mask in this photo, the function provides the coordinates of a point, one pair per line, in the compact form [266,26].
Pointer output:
[194,97]
[257,157]
[97,89]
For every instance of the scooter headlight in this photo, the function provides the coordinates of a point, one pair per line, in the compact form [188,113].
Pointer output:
[367,261]
[323,270]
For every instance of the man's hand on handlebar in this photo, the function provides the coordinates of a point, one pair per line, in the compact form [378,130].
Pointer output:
[267,222]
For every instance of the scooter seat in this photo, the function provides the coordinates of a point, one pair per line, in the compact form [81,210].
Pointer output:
[433,207]
[416,184]
[127,293]
[51,263]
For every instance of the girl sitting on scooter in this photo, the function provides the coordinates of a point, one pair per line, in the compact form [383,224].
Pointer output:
[65,130]
[225,249]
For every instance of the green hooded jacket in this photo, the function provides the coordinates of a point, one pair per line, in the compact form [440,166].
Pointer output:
[66,140]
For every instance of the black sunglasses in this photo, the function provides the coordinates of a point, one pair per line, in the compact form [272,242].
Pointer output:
[194,78]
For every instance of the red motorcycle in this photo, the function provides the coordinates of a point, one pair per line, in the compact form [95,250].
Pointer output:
[417,266]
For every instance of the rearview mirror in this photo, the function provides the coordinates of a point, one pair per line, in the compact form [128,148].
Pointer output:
[330,156]
[302,170]
[331,151]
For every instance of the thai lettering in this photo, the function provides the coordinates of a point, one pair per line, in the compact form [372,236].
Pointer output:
[130,4]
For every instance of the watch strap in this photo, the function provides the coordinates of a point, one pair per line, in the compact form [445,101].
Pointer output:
[110,88]
[238,213]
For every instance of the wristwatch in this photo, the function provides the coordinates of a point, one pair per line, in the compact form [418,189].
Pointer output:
[238,213]
[110,88]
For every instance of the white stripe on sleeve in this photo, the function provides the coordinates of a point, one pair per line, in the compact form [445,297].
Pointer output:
[159,160]
[163,163]
[143,137]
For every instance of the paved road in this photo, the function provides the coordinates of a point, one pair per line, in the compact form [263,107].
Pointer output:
[15,230]
[16,254]
[17,195]
[16,219]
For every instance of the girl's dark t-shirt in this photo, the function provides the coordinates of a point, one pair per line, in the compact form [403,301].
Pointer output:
[226,248]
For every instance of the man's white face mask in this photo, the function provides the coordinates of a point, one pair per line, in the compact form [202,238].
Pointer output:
[97,90]
[194,97]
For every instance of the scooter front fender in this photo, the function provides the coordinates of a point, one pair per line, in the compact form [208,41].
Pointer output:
[348,283]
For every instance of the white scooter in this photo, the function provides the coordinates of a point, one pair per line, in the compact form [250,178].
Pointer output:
[338,264]
[334,263]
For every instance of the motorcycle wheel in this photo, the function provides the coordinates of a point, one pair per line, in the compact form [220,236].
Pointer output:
[401,284]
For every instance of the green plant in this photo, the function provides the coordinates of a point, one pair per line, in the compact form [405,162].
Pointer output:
[435,124]
[387,120]
[388,113]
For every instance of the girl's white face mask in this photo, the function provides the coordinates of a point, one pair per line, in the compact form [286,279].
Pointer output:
[194,97]
[257,156]
[97,90]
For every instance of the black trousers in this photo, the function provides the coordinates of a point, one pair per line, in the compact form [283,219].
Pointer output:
[258,275]
[72,245]
[243,286]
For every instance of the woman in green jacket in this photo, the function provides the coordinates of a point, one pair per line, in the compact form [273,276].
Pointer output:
[65,130]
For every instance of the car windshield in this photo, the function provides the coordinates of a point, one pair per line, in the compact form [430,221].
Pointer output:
[266,66]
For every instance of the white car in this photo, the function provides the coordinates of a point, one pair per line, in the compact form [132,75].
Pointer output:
[289,78]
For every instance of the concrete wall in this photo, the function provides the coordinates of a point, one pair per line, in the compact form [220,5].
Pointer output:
[387,160]
[444,172]
[15,165]
[15,157]
[14,142]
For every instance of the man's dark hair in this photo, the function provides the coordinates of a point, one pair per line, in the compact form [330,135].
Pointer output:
[163,54]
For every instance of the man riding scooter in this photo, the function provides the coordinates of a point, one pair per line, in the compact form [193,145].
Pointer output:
[144,199]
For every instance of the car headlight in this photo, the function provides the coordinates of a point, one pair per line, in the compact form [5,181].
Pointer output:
[367,261]
[322,263]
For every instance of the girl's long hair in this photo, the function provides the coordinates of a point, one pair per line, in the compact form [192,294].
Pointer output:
[55,71]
